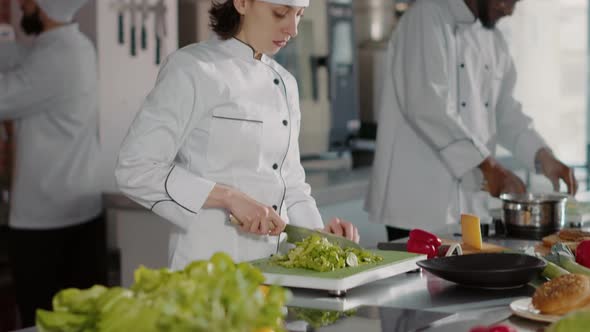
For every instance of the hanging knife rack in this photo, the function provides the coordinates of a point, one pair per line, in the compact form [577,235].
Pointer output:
[132,9]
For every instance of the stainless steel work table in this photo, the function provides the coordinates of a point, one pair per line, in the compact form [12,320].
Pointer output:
[410,301]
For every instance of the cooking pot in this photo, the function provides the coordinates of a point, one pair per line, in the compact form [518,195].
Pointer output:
[533,216]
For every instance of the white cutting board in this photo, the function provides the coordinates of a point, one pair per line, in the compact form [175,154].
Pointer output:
[394,263]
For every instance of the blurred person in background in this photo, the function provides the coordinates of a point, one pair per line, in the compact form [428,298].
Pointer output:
[448,100]
[57,233]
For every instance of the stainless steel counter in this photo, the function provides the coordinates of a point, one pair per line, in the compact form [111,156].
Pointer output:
[411,301]
[417,293]
[421,294]
[405,302]
[402,303]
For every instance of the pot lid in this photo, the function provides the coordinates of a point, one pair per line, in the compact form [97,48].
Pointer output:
[534,197]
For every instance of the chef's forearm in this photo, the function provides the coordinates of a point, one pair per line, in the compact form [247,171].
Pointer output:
[219,198]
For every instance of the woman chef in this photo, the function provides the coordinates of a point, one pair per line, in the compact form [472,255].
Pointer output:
[218,135]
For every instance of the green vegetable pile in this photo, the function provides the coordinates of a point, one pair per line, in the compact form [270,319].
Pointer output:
[214,295]
[319,254]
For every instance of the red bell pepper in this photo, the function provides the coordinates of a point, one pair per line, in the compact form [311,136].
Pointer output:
[583,253]
[419,247]
[424,236]
[422,242]
[501,328]
[494,328]
[479,328]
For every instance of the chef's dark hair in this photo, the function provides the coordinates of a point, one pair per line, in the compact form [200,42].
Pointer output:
[224,19]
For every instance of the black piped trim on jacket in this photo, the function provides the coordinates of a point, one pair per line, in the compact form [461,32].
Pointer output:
[236,119]
[160,201]
[288,145]
[168,193]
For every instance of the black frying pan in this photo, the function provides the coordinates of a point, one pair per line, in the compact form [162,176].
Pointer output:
[497,270]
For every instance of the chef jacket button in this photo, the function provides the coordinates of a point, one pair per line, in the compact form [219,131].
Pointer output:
[275,166]
[462,65]
[285,122]
[487,67]
[275,207]
[463,104]
[487,104]
[276,81]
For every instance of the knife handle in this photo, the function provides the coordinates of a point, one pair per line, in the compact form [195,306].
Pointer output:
[120,28]
[234,221]
[143,37]
[133,42]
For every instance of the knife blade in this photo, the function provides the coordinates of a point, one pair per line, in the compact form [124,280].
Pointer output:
[298,233]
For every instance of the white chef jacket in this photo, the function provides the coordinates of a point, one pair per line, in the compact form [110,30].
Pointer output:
[448,99]
[50,90]
[217,115]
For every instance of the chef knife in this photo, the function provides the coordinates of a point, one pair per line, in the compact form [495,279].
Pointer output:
[298,233]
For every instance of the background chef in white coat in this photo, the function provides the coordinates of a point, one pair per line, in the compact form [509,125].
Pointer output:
[218,135]
[50,90]
[448,100]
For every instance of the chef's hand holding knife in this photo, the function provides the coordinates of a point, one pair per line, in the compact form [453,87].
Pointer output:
[499,180]
[250,215]
[555,170]
[256,218]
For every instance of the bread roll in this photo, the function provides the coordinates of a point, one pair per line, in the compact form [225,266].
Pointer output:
[563,294]
[572,234]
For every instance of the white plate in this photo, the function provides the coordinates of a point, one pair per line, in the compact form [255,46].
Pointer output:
[524,308]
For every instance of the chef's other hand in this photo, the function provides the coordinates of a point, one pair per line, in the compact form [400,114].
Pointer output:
[343,228]
[554,170]
[500,180]
[248,214]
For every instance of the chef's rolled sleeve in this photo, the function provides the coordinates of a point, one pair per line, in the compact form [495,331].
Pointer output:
[428,103]
[188,190]
[463,155]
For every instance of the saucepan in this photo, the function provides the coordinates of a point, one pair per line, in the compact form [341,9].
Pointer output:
[533,215]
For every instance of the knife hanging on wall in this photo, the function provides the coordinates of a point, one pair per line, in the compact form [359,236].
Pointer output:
[121,23]
[144,15]
[159,28]
[133,9]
